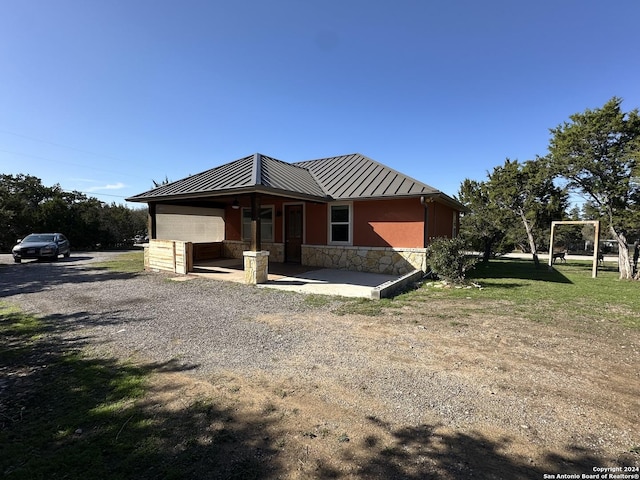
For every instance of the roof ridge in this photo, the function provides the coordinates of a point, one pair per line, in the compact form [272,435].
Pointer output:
[330,158]
[256,169]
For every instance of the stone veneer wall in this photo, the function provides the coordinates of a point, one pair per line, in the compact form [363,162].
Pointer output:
[234,249]
[256,267]
[387,260]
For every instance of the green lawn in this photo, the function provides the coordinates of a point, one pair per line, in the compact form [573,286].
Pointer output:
[62,413]
[130,262]
[567,292]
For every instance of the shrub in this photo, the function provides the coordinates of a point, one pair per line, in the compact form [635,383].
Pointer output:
[446,258]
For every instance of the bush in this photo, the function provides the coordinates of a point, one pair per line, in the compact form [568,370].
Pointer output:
[446,258]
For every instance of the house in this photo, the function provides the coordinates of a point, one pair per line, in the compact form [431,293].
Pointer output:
[345,212]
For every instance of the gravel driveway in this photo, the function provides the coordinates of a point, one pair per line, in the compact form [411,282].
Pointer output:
[205,323]
[400,370]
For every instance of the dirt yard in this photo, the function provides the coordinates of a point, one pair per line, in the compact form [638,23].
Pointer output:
[445,390]
[516,400]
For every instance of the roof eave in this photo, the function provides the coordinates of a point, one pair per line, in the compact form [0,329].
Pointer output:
[439,196]
[290,194]
[447,200]
[230,192]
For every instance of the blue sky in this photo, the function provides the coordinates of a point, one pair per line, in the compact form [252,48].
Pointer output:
[105,96]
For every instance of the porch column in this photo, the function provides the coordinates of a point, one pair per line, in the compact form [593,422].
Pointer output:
[256,267]
[256,261]
[256,228]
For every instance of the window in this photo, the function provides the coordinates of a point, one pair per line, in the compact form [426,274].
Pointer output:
[266,224]
[340,224]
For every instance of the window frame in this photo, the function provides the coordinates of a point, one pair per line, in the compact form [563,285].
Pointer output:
[349,223]
[245,233]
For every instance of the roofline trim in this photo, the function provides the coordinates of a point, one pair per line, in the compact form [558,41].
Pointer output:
[230,192]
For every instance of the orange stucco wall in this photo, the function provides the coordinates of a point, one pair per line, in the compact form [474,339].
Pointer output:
[440,221]
[383,223]
[388,223]
[233,219]
[232,224]
[376,223]
[316,223]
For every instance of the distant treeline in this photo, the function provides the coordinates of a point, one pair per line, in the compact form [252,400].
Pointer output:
[27,206]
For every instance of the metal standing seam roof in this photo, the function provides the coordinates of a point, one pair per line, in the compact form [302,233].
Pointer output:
[350,177]
[252,171]
[345,177]
[290,177]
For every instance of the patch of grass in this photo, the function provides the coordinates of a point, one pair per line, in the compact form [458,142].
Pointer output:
[515,287]
[66,414]
[543,295]
[455,323]
[18,324]
[363,306]
[130,262]
[280,392]
[313,300]
[64,410]
[269,408]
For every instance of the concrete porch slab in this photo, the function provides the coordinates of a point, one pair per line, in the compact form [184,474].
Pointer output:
[331,282]
[304,279]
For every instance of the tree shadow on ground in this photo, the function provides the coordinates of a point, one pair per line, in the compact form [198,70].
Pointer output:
[64,414]
[517,268]
[38,276]
[424,452]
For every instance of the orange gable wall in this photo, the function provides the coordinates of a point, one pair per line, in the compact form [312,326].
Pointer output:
[388,223]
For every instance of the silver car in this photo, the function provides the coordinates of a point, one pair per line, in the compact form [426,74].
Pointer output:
[41,246]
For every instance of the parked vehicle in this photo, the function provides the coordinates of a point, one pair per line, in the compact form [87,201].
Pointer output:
[41,246]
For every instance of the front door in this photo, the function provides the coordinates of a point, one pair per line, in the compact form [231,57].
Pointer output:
[293,233]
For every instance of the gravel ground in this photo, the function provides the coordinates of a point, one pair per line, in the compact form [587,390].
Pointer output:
[211,326]
[393,369]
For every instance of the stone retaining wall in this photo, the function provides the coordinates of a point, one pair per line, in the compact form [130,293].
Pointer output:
[176,256]
[387,260]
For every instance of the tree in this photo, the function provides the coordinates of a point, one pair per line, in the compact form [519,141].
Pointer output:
[485,225]
[573,237]
[157,184]
[27,206]
[447,259]
[20,200]
[598,153]
[527,191]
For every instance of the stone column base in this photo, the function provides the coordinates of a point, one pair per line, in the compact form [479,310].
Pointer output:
[256,267]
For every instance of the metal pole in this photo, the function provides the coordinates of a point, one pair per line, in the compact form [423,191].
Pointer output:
[553,229]
[596,249]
